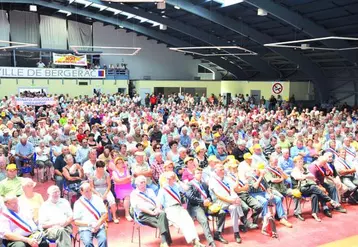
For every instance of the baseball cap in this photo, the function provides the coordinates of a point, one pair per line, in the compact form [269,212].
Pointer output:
[247,156]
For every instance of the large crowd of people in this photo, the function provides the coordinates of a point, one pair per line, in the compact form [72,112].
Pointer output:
[170,161]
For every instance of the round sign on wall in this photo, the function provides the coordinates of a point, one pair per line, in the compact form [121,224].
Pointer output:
[277,88]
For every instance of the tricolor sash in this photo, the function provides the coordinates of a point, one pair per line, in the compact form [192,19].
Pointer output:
[274,171]
[146,198]
[15,218]
[260,184]
[200,189]
[224,185]
[348,151]
[241,184]
[173,194]
[89,206]
[320,170]
[330,168]
[331,150]
[232,176]
[344,163]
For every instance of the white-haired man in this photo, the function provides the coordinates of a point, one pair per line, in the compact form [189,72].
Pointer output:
[169,199]
[17,227]
[147,210]
[90,215]
[55,217]
[24,152]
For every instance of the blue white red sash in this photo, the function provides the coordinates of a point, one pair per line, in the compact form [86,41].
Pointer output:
[224,185]
[330,168]
[146,198]
[89,206]
[320,170]
[241,184]
[200,189]
[274,171]
[232,176]
[15,218]
[331,150]
[260,184]
[173,194]
[344,163]
[348,151]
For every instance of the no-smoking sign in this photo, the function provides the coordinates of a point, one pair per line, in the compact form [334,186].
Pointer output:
[277,88]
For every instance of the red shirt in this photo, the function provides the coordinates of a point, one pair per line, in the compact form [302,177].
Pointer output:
[80,137]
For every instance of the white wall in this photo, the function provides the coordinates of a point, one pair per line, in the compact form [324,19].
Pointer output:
[154,60]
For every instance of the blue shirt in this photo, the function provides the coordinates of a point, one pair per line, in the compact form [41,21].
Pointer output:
[286,165]
[24,150]
[295,150]
[185,141]
[82,155]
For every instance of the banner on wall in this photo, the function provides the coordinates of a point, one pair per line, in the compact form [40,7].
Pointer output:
[35,101]
[14,72]
[69,59]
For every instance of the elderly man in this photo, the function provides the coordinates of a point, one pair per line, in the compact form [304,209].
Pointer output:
[89,167]
[24,152]
[225,196]
[90,215]
[179,164]
[257,156]
[141,167]
[55,217]
[270,148]
[12,183]
[17,227]
[147,210]
[82,152]
[169,199]
[240,150]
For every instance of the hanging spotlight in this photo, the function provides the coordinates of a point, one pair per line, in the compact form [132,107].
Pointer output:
[261,12]
[33,8]
[162,27]
[161,5]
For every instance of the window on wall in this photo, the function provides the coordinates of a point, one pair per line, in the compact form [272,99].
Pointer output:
[194,90]
[6,58]
[166,90]
[27,58]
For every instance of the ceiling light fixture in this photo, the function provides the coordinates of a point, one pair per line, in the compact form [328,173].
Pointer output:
[261,12]
[303,44]
[176,7]
[33,8]
[162,27]
[13,45]
[134,49]
[189,49]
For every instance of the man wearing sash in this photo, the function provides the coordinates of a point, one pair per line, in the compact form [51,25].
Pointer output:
[276,177]
[147,210]
[90,215]
[17,226]
[170,200]
[247,201]
[226,197]
[198,200]
[55,217]
[261,191]
[350,151]
[346,172]
[320,170]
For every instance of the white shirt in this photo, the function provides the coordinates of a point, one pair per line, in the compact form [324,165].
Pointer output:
[245,171]
[80,212]
[89,168]
[8,226]
[137,198]
[54,213]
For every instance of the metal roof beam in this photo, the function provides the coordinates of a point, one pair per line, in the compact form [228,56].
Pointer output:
[197,33]
[306,65]
[306,25]
[137,28]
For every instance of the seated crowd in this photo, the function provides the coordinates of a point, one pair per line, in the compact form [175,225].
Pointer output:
[169,164]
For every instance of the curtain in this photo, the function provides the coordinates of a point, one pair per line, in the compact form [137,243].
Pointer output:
[79,34]
[4,28]
[53,32]
[24,27]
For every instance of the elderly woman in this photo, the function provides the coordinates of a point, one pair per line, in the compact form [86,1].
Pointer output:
[44,162]
[30,199]
[101,186]
[122,184]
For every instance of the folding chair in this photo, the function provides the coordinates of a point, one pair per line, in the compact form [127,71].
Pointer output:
[75,240]
[289,199]
[138,225]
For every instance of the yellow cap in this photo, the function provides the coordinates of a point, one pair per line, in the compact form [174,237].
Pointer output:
[296,193]
[247,156]
[232,164]
[168,163]
[198,148]
[257,146]
[261,166]
[11,167]
[213,158]
[217,135]
[187,159]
